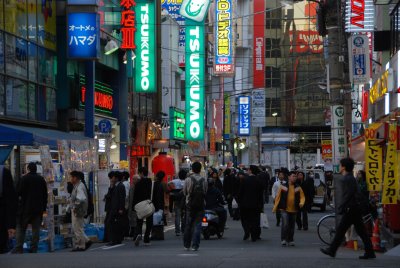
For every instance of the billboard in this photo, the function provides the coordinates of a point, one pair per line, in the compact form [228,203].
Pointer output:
[177,124]
[359,62]
[244,116]
[194,76]
[259,45]
[83,35]
[145,36]
[360,16]
[224,37]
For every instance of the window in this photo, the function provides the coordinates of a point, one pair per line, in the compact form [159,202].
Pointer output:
[51,111]
[273,18]
[16,56]
[2,95]
[32,61]
[47,62]
[272,77]
[15,17]
[2,59]
[272,48]
[32,102]
[272,107]
[32,27]
[16,98]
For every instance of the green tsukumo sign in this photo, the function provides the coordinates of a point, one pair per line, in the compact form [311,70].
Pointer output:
[145,39]
[194,76]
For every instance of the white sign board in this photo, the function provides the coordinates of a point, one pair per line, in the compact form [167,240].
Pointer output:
[258,108]
[359,62]
[339,137]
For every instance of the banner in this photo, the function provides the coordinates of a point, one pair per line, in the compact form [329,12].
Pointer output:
[244,116]
[145,38]
[194,76]
[391,181]
[359,62]
[259,44]
[224,45]
[373,164]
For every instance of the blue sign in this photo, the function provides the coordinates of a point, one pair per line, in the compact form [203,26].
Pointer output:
[172,8]
[105,126]
[83,35]
[244,116]
[223,37]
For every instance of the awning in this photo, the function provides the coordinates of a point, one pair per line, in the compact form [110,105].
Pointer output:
[30,136]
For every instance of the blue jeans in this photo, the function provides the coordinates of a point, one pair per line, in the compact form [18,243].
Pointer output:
[192,228]
[178,216]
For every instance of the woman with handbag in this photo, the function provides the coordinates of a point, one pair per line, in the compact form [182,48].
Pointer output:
[147,198]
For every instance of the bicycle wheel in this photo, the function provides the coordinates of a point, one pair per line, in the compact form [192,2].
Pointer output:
[326,228]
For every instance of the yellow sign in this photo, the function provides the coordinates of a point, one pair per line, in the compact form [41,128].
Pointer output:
[391,181]
[373,165]
[380,87]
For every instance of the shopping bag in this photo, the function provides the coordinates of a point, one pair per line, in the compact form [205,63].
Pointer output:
[234,203]
[264,221]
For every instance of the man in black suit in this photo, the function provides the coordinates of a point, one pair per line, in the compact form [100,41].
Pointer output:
[143,192]
[8,208]
[251,203]
[350,210]
[118,215]
[32,195]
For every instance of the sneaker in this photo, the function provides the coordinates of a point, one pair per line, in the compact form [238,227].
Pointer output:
[283,243]
[195,248]
[291,244]
[137,240]
[187,249]
[367,256]
[328,252]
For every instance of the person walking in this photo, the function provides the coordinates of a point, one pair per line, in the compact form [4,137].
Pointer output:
[217,181]
[195,189]
[176,193]
[281,181]
[265,178]
[32,198]
[107,208]
[302,213]
[350,207]
[289,200]
[251,203]
[79,206]
[228,187]
[8,208]
[142,192]
[118,215]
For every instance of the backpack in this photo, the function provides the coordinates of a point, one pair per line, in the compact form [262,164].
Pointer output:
[197,196]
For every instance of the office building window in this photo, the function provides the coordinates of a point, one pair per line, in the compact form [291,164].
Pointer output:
[32,101]
[2,95]
[16,54]
[272,107]
[272,77]
[272,48]
[273,18]
[16,98]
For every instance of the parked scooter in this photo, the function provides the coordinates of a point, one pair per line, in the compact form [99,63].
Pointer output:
[211,225]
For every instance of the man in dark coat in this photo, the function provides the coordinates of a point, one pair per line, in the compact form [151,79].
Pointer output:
[118,215]
[8,208]
[351,212]
[107,207]
[228,187]
[143,192]
[264,177]
[251,204]
[302,213]
[32,195]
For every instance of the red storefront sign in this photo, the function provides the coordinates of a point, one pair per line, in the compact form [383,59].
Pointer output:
[364,112]
[259,45]
[357,10]
[139,151]
[102,100]
[128,24]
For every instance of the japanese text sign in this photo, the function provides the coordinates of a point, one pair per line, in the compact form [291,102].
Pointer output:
[373,164]
[259,44]
[145,62]
[360,15]
[359,62]
[339,137]
[194,76]
[326,149]
[177,123]
[83,35]
[391,181]
[128,24]
[224,37]
[244,116]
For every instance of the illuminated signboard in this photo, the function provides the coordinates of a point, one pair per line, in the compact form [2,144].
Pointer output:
[244,116]
[145,36]
[177,124]
[103,97]
[360,15]
[128,24]
[194,75]
[223,37]
[139,151]
[195,10]
[381,86]
[83,35]
[259,44]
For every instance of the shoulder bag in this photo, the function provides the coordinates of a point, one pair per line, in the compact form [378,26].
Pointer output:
[145,208]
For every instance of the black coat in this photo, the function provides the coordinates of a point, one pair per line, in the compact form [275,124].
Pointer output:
[229,185]
[8,202]
[32,194]
[251,193]
[308,188]
[143,192]
[350,191]
[264,178]
[107,199]
[117,199]
[214,198]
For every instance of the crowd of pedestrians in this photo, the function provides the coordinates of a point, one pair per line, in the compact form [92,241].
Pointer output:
[239,193]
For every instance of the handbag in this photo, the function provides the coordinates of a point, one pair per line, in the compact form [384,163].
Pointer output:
[145,208]
[264,221]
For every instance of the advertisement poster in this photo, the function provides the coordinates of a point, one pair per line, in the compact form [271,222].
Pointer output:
[391,181]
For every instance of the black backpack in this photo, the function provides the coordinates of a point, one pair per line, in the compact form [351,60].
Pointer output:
[197,196]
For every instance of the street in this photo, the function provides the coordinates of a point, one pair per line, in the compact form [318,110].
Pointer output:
[230,251]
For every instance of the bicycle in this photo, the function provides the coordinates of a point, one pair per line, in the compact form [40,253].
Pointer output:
[326,226]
